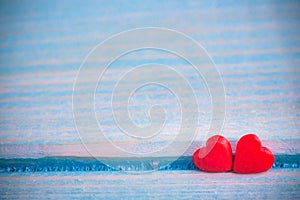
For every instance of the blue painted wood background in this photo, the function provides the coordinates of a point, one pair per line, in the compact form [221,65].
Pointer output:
[254,44]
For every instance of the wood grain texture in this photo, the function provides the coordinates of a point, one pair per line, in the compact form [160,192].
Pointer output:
[275,184]
[254,44]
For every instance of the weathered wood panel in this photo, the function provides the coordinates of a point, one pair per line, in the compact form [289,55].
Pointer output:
[275,184]
[254,44]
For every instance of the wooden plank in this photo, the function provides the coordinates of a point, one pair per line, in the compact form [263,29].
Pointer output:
[289,147]
[256,52]
[275,184]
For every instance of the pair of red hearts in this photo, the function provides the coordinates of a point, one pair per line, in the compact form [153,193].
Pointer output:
[250,156]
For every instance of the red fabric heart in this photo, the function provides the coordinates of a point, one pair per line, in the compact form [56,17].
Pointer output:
[251,157]
[216,156]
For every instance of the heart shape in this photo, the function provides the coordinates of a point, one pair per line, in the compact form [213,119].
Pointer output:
[216,156]
[251,156]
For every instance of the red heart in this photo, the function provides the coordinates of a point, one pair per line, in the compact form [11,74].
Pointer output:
[216,156]
[251,157]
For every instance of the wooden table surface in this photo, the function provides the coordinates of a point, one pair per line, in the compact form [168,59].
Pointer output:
[255,46]
[275,184]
